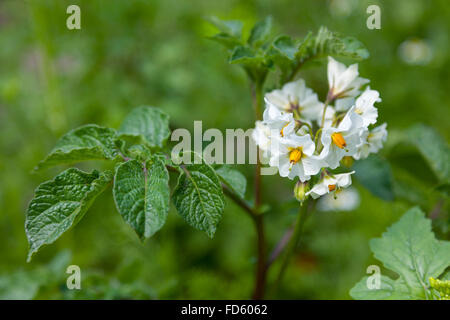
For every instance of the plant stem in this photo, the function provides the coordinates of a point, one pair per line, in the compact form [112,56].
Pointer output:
[240,202]
[293,243]
[323,114]
[260,279]
[280,246]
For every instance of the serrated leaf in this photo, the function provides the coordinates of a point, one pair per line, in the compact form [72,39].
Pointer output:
[260,32]
[89,142]
[433,148]
[231,27]
[227,40]
[327,43]
[142,195]
[389,290]
[149,124]
[285,46]
[354,48]
[198,197]
[233,179]
[316,46]
[245,55]
[60,203]
[410,249]
[374,173]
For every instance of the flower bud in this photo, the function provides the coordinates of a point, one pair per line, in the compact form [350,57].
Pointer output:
[300,190]
[347,161]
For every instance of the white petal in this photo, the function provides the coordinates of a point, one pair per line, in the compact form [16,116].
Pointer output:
[344,179]
[293,90]
[297,171]
[312,165]
[364,106]
[345,79]
[376,138]
[317,191]
[344,103]
[334,155]
[277,99]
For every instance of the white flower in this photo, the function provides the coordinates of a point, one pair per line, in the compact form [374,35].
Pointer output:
[347,200]
[261,135]
[282,123]
[364,106]
[275,124]
[344,84]
[343,140]
[298,98]
[293,155]
[331,183]
[372,141]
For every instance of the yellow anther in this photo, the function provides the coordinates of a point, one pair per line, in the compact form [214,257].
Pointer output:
[338,140]
[295,154]
[331,187]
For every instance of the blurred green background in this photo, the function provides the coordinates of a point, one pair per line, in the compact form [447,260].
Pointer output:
[130,53]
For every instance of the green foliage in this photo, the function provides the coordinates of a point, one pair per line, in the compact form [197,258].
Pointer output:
[233,179]
[374,173]
[433,148]
[233,28]
[260,32]
[324,43]
[149,124]
[48,86]
[410,249]
[25,284]
[199,198]
[327,43]
[141,182]
[59,204]
[261,52]
[419,157]
[89,142]
[141,193]
[441,288]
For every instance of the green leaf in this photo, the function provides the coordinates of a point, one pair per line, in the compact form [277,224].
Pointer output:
[389,290]
[198,197]
[374,173]
[245,55]
[89,142]
[233,179]
[285,46]
[313,46]
[410,249]
[327,43]
[227,40]
[149,124]
[433,148]
[60,203]
[260,32]
[353,48]
[230,27]
[142,195]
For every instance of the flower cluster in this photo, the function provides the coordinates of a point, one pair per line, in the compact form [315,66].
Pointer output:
[306,138]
